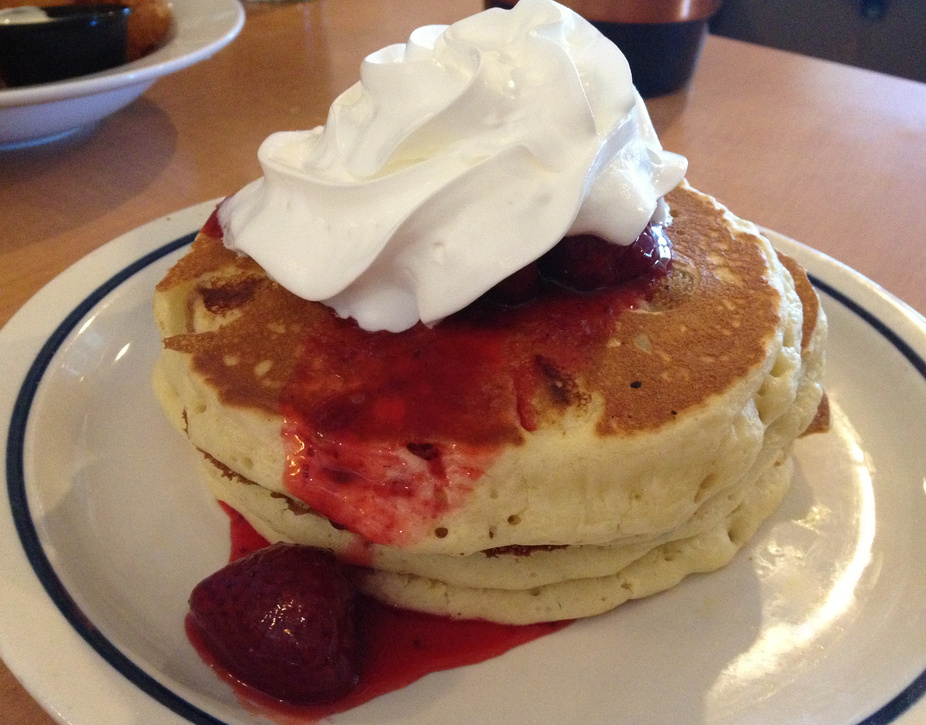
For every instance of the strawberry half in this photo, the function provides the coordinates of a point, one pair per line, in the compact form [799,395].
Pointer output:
[584,262]
[281,620]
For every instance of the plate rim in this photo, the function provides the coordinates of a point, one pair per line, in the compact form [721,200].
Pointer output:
[135,254]
[64,701]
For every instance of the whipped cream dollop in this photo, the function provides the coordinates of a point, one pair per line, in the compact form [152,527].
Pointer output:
[458,158]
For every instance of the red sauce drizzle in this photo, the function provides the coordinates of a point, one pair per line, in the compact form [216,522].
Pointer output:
[400,646]
[396,431]
[212,227]
[367,442]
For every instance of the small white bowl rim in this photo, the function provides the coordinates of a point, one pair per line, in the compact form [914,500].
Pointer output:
[191,43]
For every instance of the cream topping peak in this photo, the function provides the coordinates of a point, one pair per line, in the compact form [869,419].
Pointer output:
[458,158]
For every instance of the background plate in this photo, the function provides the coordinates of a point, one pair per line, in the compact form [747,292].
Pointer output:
[48,111]
[822,619]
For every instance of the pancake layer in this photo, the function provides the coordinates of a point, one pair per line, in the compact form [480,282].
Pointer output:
[519,584]
[602,459]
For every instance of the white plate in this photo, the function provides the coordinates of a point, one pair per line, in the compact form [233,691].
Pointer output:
[821,620]
[37,114]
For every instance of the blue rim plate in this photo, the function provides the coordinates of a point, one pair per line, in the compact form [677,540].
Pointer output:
[106,530]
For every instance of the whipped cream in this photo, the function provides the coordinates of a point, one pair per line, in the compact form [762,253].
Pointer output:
[458,158]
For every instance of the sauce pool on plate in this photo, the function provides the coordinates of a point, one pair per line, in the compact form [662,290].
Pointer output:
[398,646]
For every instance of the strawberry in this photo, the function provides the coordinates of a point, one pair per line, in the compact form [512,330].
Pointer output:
[519,287]
[584,262]
[281,620]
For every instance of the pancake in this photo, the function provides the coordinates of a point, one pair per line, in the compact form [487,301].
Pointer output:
[518,465]
[519,584]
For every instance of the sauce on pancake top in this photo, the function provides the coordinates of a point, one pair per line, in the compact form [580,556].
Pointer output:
[386,432]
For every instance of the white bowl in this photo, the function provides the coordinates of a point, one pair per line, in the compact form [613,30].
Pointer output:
[37,114]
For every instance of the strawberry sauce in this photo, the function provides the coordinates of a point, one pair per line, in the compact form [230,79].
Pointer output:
[398,646]
[387,433]
[396,430]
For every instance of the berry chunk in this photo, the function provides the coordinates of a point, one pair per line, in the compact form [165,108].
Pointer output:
[281,620]
[520,287]
[584,262]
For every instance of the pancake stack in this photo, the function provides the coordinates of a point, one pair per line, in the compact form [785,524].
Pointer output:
[516,465]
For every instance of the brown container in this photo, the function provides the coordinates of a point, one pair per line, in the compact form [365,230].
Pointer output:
[661,39]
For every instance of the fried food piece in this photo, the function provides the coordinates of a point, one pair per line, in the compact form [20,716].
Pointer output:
[149,23]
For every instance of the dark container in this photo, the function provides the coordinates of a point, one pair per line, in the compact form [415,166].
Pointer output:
[661,39]
[74,41]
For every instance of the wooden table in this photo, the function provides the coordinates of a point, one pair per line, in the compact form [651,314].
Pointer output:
[830,155]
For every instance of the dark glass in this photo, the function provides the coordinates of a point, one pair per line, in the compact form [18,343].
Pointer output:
[662,56]
[74,41]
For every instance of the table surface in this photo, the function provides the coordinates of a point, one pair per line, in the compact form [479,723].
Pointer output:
[827,154]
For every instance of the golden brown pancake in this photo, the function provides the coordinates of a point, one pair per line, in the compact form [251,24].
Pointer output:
[539,463]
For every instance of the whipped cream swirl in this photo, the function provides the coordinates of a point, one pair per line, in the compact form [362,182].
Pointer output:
[458,158]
